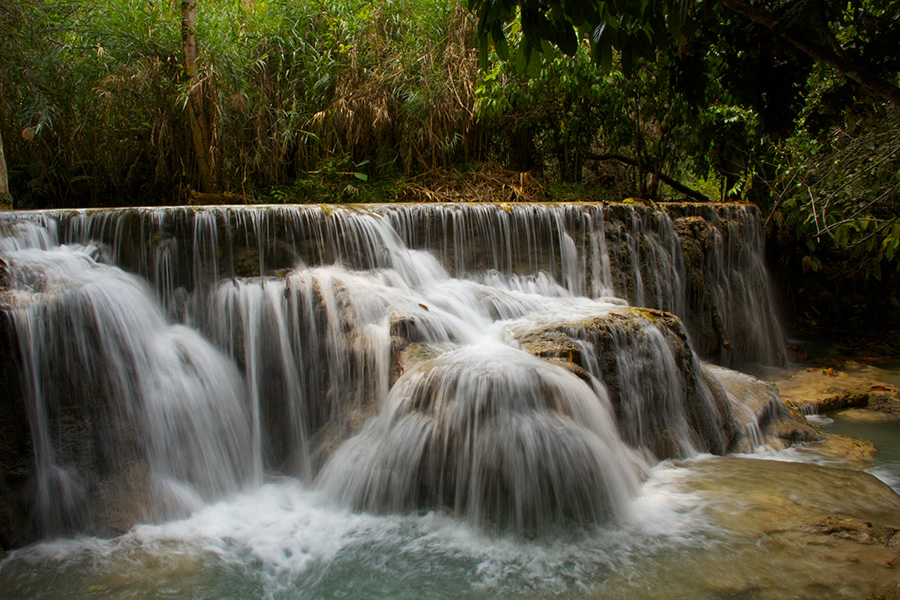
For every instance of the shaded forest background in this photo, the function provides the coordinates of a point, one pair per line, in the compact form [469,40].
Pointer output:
[122,103]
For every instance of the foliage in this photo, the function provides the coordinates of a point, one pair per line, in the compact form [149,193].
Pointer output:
[633,29]
[315,101]
[580,124]
[94,110]
[859,38]
[842,191]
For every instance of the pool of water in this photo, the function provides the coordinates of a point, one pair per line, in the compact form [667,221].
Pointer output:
[709,528]
[885,434]
[282,541]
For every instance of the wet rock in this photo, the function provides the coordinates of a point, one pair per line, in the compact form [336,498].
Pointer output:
[730,317]
[819,390]
[800,530]
[491,433]
[794,429]
[656,385]
[101,445]
[557,348]
[856,530]
[766,418]
[16,454]
[405,356]
[890,591]
[862,415]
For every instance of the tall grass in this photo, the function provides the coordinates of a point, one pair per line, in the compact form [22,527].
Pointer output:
[92,109]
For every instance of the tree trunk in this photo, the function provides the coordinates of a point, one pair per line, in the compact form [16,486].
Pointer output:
[5,197]
[201,135]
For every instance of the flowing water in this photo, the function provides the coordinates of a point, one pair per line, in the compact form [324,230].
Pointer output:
[389,401]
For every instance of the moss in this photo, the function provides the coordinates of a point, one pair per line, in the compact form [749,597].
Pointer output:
[645,313]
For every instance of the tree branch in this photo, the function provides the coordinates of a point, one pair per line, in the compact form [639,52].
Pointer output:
[870,82]
[672,183]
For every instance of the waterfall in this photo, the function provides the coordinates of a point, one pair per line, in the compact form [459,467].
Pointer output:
[111,386]
[520,366]
[478,430]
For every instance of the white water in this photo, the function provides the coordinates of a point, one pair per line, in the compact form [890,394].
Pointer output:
[344,404]
[87,329]
[284,541]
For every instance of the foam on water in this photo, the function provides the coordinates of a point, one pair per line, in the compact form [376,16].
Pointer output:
[216,359]
[282,540]
[817,419]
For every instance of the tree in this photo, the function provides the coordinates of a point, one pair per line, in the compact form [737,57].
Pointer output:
[859,39]
[811,27]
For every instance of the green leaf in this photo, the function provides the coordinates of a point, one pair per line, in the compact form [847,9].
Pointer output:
[567,39]
[521,59]
[533,65]
[361,176]
[500,44]
[874,270]
[603,54]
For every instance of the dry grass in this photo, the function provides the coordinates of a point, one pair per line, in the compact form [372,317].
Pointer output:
[488,182]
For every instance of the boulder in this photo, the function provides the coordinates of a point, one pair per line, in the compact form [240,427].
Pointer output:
[765,417]
[643,358]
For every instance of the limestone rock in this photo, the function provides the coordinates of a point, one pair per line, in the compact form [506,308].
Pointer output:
[857,530]
[890,591]
[762,412]
[818,390]
[655,383]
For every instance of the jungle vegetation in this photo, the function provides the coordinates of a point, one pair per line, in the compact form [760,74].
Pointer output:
[789,104]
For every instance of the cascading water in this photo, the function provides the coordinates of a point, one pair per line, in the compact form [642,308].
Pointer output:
[490,363]
[491,432]
[315,312]
[110,386]
[702,263]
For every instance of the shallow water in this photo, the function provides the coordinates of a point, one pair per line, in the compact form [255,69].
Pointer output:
[282,541]
[706,528]
[885,434]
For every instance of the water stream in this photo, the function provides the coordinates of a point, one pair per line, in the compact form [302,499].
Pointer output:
[395,402]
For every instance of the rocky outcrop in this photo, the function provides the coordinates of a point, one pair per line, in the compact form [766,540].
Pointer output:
[822,390]
[308,361]
[665,400]
[655,383]
[16,454]
[101,446]
[103,487]
[701,262]
[766,420]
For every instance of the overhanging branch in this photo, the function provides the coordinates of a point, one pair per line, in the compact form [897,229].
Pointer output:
[870,82]
[669,181]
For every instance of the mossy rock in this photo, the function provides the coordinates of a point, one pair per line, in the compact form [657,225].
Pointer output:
[627,334]
[822,390]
